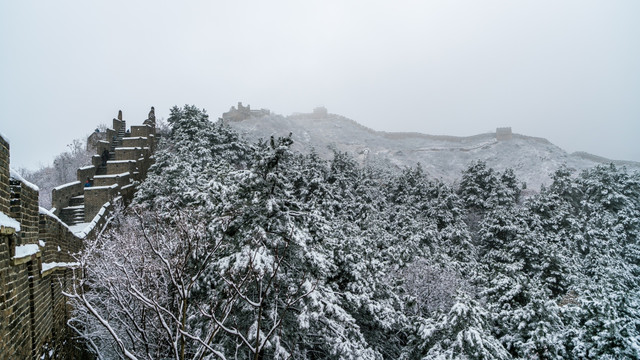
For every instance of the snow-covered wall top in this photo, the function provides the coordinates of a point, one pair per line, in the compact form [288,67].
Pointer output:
[15,175]
[6,139]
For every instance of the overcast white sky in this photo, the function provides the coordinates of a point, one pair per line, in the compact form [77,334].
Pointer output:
[568,71]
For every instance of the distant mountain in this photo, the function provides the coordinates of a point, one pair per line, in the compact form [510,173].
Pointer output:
[533,159]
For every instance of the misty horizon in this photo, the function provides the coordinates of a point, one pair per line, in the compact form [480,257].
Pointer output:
[568,72]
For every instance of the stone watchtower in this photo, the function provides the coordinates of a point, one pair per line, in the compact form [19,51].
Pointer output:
[504,133]
[243,113]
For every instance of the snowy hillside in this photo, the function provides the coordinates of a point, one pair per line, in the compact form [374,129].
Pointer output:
[533,159]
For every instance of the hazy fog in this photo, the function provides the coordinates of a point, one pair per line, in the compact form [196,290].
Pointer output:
[568,71]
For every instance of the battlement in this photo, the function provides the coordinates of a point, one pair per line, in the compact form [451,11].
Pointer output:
[34,311]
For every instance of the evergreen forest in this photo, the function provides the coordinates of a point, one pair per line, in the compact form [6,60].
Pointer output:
[237,250]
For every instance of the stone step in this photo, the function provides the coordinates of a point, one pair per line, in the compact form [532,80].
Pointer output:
[101,170]
[77,201]
[72,215]
[72,208]
[72,220]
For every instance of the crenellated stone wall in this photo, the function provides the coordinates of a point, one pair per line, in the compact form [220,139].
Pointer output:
[37,247]
[35,267]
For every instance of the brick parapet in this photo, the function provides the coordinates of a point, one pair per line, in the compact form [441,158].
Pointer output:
[108,180]
[32,308]
[4,176]
[102,146]
[121,166]
[95,197]
[96,160]
[15,324]
[132,153]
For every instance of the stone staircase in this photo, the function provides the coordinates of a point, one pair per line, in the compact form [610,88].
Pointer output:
[74,213]
[129,156]
[102,170]
[117,141]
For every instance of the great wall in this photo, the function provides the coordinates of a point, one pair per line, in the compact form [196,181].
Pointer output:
[37,245]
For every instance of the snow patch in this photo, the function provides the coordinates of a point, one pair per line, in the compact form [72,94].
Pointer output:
[120,161]
[26,250]
[8,222]
[101,187]
[105,176]
[52,265]
[78,227]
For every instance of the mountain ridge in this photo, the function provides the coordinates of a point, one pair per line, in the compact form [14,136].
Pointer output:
[533,159]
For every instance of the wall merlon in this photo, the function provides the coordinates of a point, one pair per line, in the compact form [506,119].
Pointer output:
[24,209]
[102,146]
[61,195]
[111,134]
[86,172]
[96,160]
[118,124]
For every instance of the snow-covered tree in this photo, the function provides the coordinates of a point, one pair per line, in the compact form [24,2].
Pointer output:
[134,299]
[259,252]
[464,332]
